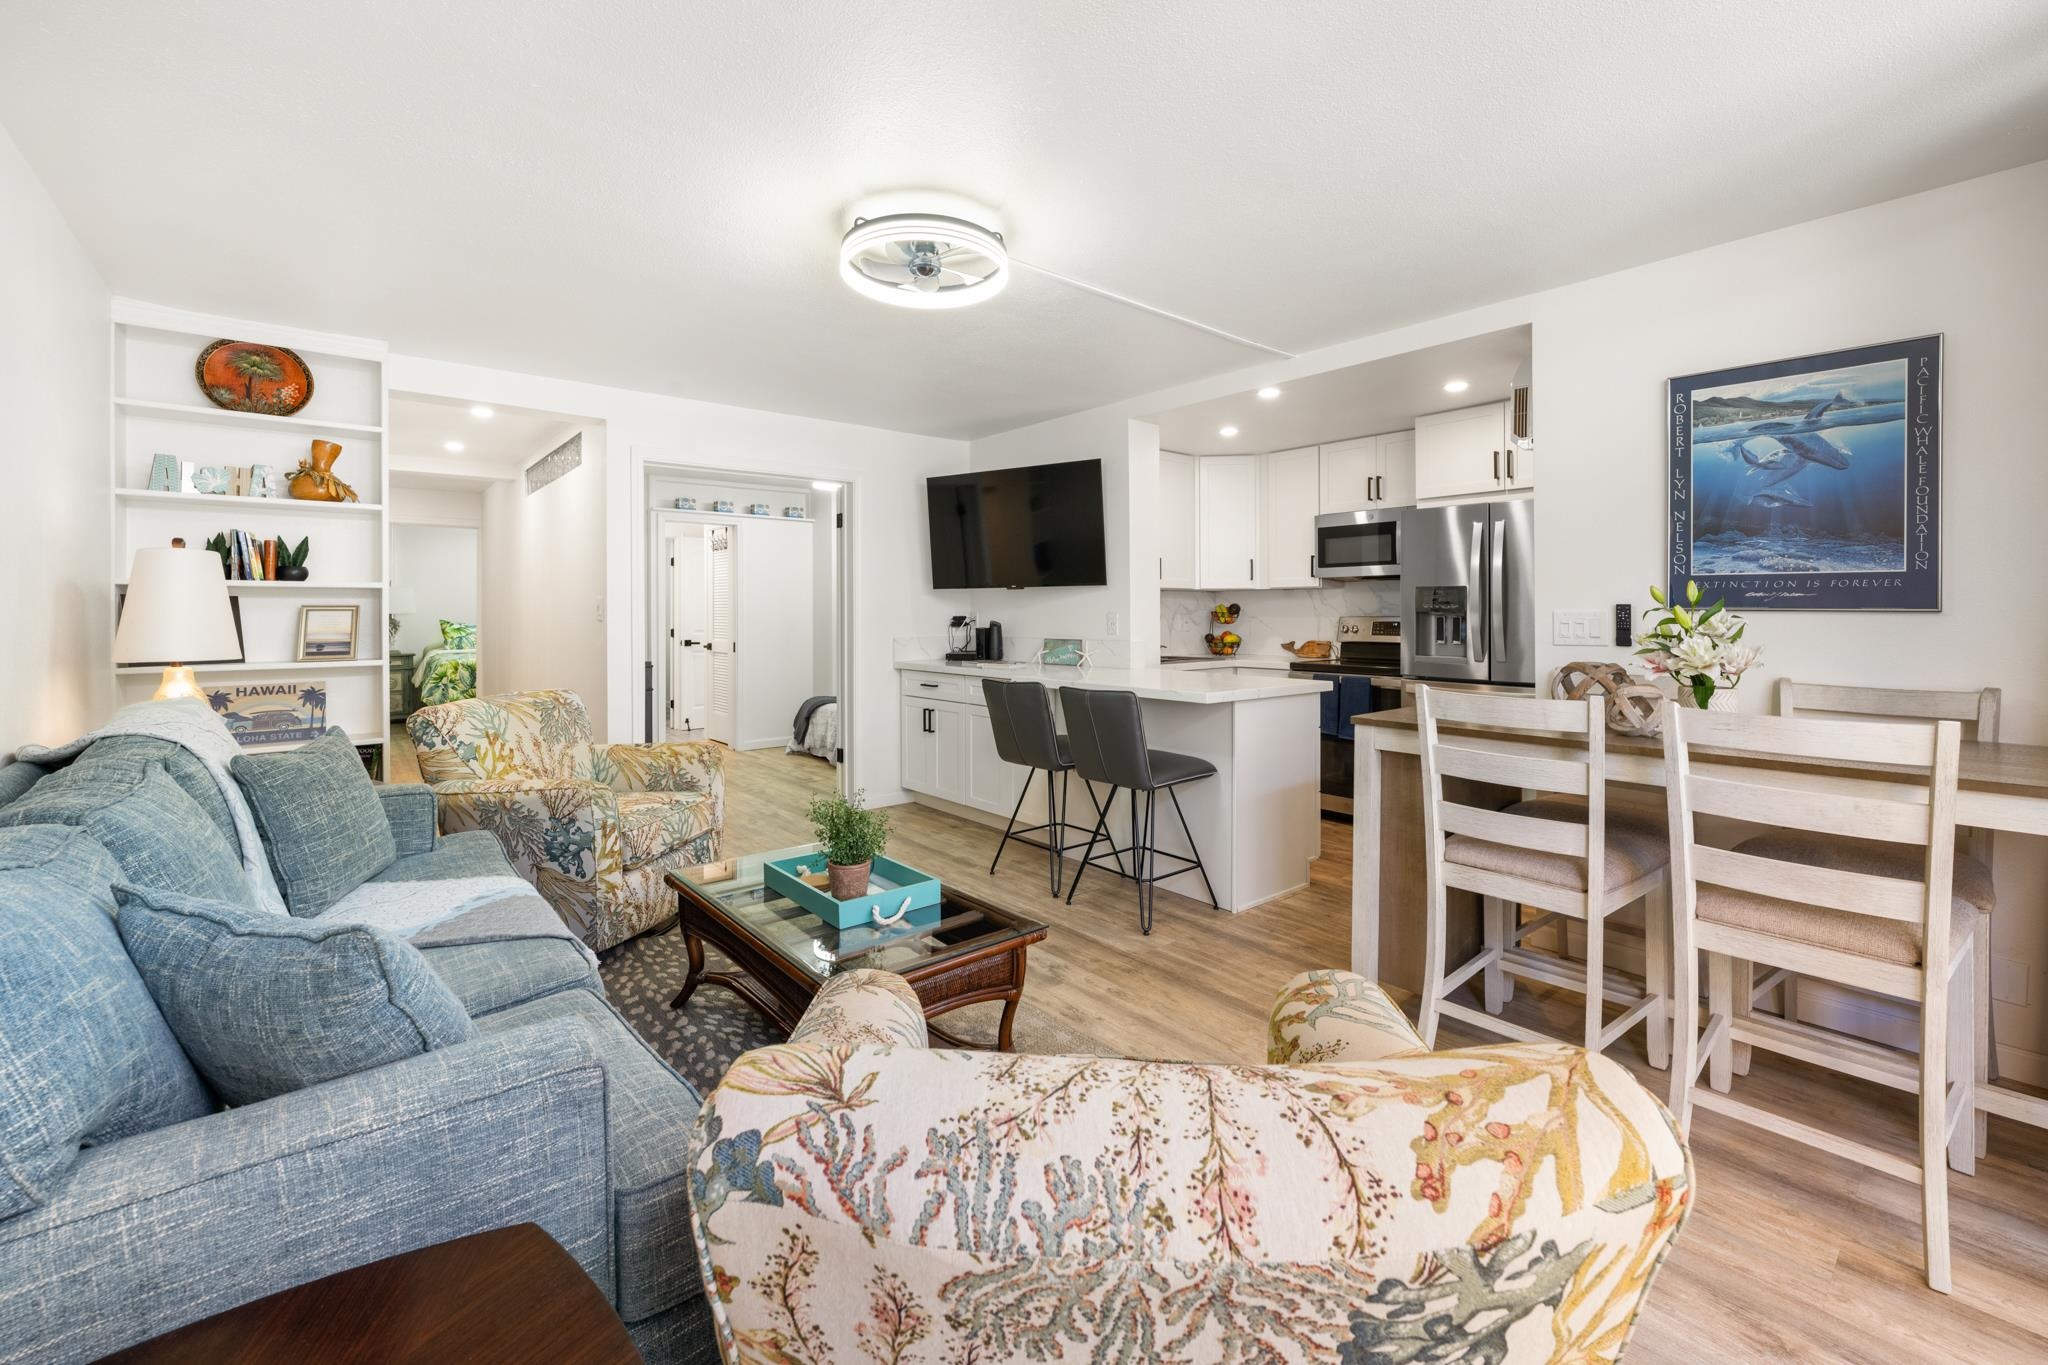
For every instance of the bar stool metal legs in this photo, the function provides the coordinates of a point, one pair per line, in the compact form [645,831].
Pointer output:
[1144,850]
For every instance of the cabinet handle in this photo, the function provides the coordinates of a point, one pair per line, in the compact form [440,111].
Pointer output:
[1379,488]
[1511,464]
[1251,568]
[1496,466]
[1311,566]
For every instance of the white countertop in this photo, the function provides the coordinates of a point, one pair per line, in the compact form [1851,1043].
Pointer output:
[1200,685]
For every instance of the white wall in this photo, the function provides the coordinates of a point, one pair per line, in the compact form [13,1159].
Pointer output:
[411,506]
[1129,451]
[888,581]
[546,562]
[825,595]
[1968,261]
[434,573]
[57,616]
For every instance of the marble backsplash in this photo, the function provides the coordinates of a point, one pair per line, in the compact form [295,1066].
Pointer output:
[1268,617]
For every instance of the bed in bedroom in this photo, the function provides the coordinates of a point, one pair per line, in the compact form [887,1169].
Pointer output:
[816,729]
[447,671]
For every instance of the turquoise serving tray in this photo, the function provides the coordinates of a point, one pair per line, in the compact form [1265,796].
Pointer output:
[891,886]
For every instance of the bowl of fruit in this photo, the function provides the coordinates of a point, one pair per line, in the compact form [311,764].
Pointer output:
[1225,644]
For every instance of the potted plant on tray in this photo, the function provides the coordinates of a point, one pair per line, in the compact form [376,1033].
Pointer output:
[1701,648]
[851,835]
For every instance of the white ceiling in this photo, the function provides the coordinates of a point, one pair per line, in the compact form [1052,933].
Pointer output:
[649,194]
[494,447]
[1360,400]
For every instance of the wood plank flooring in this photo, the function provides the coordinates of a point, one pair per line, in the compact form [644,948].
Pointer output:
[1791,1254]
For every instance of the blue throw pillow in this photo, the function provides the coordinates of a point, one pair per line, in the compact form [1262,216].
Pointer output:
[267,1004]
[85,1056]
[321,820]
[158,835]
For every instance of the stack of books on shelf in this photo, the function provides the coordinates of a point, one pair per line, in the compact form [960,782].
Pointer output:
[248,559]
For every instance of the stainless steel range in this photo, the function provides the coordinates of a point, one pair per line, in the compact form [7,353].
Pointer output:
[1364,674]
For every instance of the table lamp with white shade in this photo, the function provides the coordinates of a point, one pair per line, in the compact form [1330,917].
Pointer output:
[177,608]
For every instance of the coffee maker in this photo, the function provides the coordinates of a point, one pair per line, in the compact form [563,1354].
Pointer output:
[962,645]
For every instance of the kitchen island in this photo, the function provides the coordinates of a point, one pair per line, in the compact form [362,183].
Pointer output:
[1257,822]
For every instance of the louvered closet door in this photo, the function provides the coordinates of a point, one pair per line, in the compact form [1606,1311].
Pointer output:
[723,711]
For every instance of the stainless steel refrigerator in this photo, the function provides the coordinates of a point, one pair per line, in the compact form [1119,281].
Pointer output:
[1468,592]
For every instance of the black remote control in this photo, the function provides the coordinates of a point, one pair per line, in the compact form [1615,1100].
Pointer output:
[1624,624]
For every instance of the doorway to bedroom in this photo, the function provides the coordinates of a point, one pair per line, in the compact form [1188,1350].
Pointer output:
[746,633]
[436,587]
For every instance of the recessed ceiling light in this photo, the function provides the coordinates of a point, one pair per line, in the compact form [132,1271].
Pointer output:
[825,485]
[1456,386]
[454,447]
[483,410]
[1270,391]
[1226,431]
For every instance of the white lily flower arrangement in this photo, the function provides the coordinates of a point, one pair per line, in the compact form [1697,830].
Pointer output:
[1699,647]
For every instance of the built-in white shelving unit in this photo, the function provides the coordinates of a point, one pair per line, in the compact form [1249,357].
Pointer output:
[156,408]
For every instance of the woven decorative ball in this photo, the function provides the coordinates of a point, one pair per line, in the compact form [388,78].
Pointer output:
[1635,706]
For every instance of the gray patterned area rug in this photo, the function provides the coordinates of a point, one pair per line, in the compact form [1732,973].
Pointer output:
[701,1040]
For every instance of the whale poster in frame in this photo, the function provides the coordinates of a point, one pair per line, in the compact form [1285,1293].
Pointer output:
[1810,484]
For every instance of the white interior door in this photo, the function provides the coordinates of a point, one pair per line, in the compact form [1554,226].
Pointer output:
[689,630]
[721,711]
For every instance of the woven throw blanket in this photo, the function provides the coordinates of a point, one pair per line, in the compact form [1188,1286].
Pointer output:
[190,724]
[408,908]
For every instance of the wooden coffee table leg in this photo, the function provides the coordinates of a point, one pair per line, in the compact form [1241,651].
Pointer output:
[1010,1003]
[694,946]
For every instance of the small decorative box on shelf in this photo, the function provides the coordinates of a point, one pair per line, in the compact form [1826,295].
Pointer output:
[896,893]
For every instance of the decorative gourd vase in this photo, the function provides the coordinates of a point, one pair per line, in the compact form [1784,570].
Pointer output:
[848,881]
[292,573]
[314,481]
[1722,700]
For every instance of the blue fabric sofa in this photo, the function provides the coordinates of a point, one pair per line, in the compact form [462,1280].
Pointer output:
[555,1113]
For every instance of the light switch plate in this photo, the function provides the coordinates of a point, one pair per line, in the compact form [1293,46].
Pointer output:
[1578,628]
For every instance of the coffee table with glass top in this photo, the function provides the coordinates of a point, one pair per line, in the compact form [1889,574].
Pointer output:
[974,952]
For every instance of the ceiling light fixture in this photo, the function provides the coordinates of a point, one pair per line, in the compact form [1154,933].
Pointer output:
[924,250]
[483,410]
[1226,431]
[825,485]
[1270,391]
[1456,386]
[453,447]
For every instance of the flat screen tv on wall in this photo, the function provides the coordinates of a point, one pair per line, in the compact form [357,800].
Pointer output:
[1036,526]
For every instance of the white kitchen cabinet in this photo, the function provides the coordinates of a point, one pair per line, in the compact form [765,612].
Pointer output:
[1520,469]
[1462,453]
[1348,469]
[949,747]
[992,785]
[935,748]
[1396,487]
[1291,492]
[1227,547]
[1178,520]
[1369,471]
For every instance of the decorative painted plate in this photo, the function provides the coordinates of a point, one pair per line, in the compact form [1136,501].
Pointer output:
[246,376]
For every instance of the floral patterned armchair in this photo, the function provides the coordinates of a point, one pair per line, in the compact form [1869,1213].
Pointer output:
[1360,1199]
[595,827]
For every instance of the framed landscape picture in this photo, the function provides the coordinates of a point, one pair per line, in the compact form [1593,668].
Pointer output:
[1811,484]
[327,633]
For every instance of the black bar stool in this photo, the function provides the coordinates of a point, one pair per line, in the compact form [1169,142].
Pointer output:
[1107,741]
[1020,713]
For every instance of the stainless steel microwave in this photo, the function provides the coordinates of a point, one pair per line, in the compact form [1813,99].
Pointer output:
[1359,544]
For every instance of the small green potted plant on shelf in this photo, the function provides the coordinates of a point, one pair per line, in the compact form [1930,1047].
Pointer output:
[850,835]
[291,560]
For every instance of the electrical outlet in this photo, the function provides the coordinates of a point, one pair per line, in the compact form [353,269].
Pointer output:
[1109,624]
[1577,628]
[2009,981]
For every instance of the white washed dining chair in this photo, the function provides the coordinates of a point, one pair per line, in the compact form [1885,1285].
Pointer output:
[1570,853]
[1810,896]
[1977,712]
